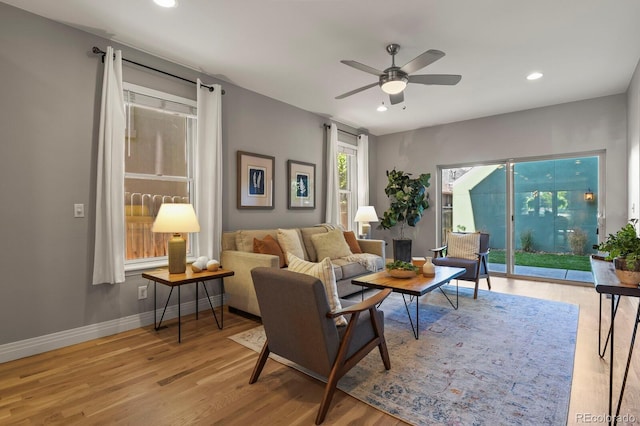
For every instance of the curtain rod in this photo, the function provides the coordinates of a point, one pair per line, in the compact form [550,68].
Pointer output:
[326,126]
[97,51]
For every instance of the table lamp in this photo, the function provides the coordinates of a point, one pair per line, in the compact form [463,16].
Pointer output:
[364,215]
[175,219]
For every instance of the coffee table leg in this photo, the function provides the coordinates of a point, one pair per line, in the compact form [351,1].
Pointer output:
[416,329]
[455,307]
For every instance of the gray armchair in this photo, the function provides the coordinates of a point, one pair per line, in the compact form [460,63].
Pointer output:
[300,327]
[476,269]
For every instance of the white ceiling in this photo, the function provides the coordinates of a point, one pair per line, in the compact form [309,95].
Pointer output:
[290,50]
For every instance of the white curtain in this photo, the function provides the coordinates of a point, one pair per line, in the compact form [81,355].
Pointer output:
[208,171]
[362,159]
[332,214]
[108,257]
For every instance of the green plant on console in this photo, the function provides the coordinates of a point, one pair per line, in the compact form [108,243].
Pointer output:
[408,197]
[623,244]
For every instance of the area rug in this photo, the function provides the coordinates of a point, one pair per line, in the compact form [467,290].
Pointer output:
[497,360]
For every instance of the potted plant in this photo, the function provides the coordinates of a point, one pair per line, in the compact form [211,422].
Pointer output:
[408,201]
[623,248]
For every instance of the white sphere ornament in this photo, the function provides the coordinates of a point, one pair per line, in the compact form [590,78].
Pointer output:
[198,266]
[213,265]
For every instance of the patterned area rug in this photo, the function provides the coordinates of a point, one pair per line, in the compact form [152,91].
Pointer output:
[498,360]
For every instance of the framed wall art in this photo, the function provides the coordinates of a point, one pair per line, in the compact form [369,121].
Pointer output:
[255,181]
[301,178]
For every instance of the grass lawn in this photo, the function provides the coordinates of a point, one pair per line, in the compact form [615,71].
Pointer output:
[544,260]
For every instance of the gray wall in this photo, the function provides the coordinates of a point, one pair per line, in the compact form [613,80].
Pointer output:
[585,126]
[50,94]
[633,130]
[51,87]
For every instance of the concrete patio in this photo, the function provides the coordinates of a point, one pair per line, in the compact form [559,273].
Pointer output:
[552,273]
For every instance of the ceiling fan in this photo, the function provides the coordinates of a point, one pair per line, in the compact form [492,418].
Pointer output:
[394,79]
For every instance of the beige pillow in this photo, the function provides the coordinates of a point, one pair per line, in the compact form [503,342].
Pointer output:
[322,270]
[331,244]
[463,246]
[289,240]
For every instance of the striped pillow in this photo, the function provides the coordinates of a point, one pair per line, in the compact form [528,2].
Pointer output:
[322,270]
[463,246]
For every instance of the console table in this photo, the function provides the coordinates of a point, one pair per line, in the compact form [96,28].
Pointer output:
[163,276]
[606,282]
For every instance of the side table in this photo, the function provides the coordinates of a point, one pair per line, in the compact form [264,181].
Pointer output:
[163,276]
[606,282]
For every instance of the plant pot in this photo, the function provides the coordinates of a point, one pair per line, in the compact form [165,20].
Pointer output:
[402,249]
[401,273]
[629,277]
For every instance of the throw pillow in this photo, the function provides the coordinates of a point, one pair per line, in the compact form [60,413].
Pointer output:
[269,246]
[290,242]
[322,270]
[331,244]
[463,246]
[352,241]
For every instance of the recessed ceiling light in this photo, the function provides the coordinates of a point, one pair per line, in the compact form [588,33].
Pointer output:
[381,108]
[166,3]
[534,75]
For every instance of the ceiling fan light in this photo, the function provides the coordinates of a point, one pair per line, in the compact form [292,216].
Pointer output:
[381,108]
[393,87]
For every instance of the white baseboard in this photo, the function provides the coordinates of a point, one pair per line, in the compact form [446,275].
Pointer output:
[41,344]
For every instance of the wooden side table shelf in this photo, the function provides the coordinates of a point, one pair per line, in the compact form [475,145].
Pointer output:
[163,276]
[606,282]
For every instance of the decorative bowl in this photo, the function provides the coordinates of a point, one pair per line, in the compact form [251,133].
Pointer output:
[401,273]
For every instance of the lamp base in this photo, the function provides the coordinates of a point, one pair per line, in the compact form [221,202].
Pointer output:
[177,250]
[366,228]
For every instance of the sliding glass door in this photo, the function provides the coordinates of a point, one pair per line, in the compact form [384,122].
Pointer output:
[541,215]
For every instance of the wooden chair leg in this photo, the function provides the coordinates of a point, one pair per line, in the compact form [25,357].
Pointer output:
[262,359]
[329,390]
[475,290]
[384,352]
[488,282]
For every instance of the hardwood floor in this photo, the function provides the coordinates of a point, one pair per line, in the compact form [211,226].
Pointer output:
[146,377]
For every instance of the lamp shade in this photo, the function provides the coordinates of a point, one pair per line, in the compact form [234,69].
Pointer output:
[366,214]
[176,218]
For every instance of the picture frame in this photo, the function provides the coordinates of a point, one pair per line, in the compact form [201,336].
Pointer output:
[254,180]
[301,179]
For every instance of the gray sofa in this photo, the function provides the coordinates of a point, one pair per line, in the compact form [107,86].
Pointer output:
[237,255]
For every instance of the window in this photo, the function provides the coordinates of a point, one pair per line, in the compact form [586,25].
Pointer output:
[347,178]
[535,210]
[159,143]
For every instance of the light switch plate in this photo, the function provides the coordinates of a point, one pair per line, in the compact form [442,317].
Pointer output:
[78,210]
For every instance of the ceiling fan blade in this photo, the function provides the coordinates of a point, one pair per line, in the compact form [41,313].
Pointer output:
[363,67]
[359,89]
[443,79]
[428,57]
[397,98]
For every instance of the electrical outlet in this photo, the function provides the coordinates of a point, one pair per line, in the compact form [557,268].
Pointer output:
[142,292]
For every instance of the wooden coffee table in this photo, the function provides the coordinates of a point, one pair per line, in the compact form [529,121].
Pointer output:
[414,287]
